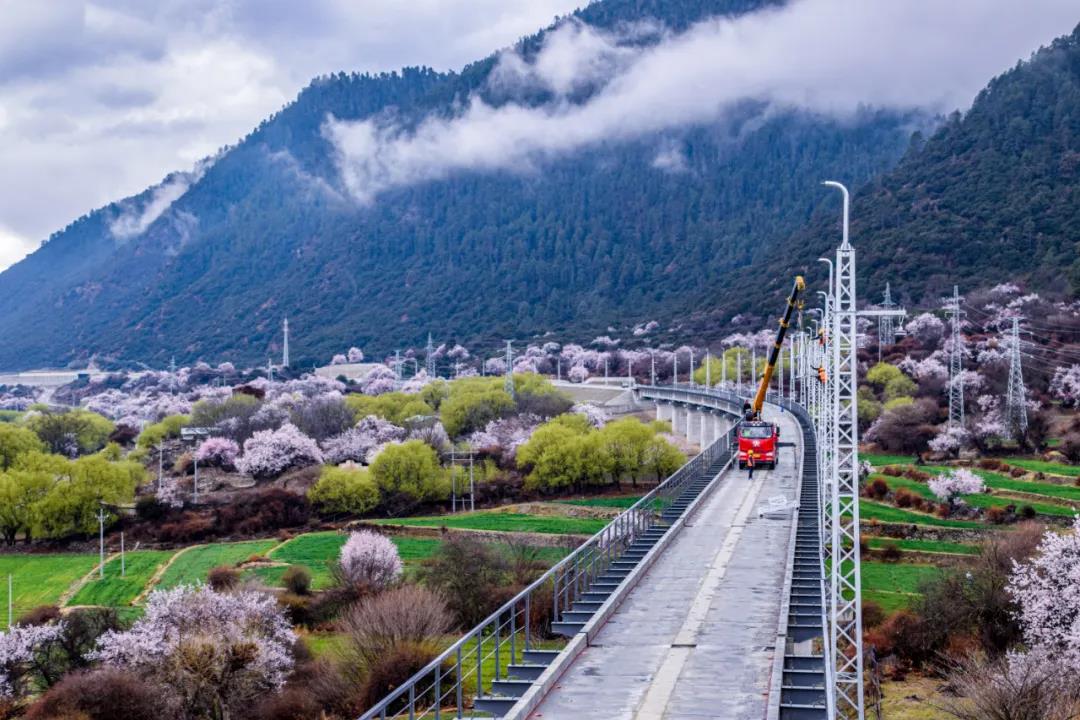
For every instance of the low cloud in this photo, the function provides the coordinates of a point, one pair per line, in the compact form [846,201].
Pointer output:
[830,57]
[135,216]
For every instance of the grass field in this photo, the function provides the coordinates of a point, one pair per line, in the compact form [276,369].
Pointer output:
[193,565]
[114,590]
[880,460]
[870,510]
[507,522]
[894,585]
[40,579]
[979,500]
[1046,467]
[928,546]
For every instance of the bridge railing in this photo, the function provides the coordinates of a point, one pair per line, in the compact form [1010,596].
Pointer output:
[481,657]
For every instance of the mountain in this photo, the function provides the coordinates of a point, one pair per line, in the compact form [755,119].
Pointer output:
[992,196]
[207,263]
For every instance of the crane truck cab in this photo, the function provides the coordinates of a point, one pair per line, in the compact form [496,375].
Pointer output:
[761,437]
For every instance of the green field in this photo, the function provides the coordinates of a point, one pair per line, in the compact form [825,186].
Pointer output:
[114,590]
[928,546]
[880,460]
[40,579]
[1045,467]
[979,500]
[894,585]
[193,565]
[507,522]
[870,510]
[1000,482]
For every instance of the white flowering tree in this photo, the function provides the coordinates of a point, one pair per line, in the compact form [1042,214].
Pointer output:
[214,653]
[950,440]
[1065,385]
[951,485]
[1047,590]
[268,453]
[20,649]
[356,444]
[380,380]
[355,355]
[927,329]
[369,559]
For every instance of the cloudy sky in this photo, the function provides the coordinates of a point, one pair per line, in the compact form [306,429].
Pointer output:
[99,100]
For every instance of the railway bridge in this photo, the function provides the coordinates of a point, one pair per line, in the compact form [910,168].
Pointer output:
[716,595]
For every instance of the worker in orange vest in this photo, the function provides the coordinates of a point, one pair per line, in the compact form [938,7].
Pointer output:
[750,464]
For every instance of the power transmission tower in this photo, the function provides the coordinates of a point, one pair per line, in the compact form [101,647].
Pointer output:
[429,358]
[285,346]
[1016,404]
[885,332]
[956,363]
[508,384]
[397,364]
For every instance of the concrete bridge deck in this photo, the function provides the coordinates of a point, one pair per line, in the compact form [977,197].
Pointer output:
[697,637]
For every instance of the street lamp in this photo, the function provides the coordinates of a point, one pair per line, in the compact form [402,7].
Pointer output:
[845,245]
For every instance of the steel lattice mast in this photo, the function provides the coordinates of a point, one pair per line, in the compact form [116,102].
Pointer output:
[508,383]
[956,363]
[285,345]
[429,357]
[1016,403]
[886,332]
[845,575]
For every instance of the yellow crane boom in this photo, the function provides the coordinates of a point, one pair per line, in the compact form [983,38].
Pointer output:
[774,354]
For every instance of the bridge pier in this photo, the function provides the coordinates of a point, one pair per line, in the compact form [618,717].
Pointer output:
[664,411]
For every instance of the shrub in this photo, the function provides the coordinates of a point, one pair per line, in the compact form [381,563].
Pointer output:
[904,498]
[872,614]
[268,453]
[892,471]
[1027,512]
[223,578]
[995,515]
[147,507]
[407,475]
[103,694]
[877,489]
[1018,472]
[407,615]
[41,615]
[1070,447]
[1015,687]
[467,572]
[169,427]
[297,579]
[344,490]
[16,441]
[991,464]
[891,552]
[394,667]
[370,560]
[268,509]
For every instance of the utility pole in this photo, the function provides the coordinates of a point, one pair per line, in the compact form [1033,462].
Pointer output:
[397,364]
[101,541]
[558,369]
[723,370]
[123,562]
[1016,404]
[738,371]
[652,367]
[285,345]
[630,369]
[708,370]
[956,364]
[605,370]
[195,484]
[453,479]
[429,358]
[690,377]
[508,384]
[675,373]
[160,464]
[269,370]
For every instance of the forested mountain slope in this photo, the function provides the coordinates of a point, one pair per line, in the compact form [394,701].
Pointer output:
[992,196]
[208,263]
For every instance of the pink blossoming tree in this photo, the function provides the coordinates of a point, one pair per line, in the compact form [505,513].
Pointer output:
[268,453]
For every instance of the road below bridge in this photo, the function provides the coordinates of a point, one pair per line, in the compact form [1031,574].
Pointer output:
[698,635]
